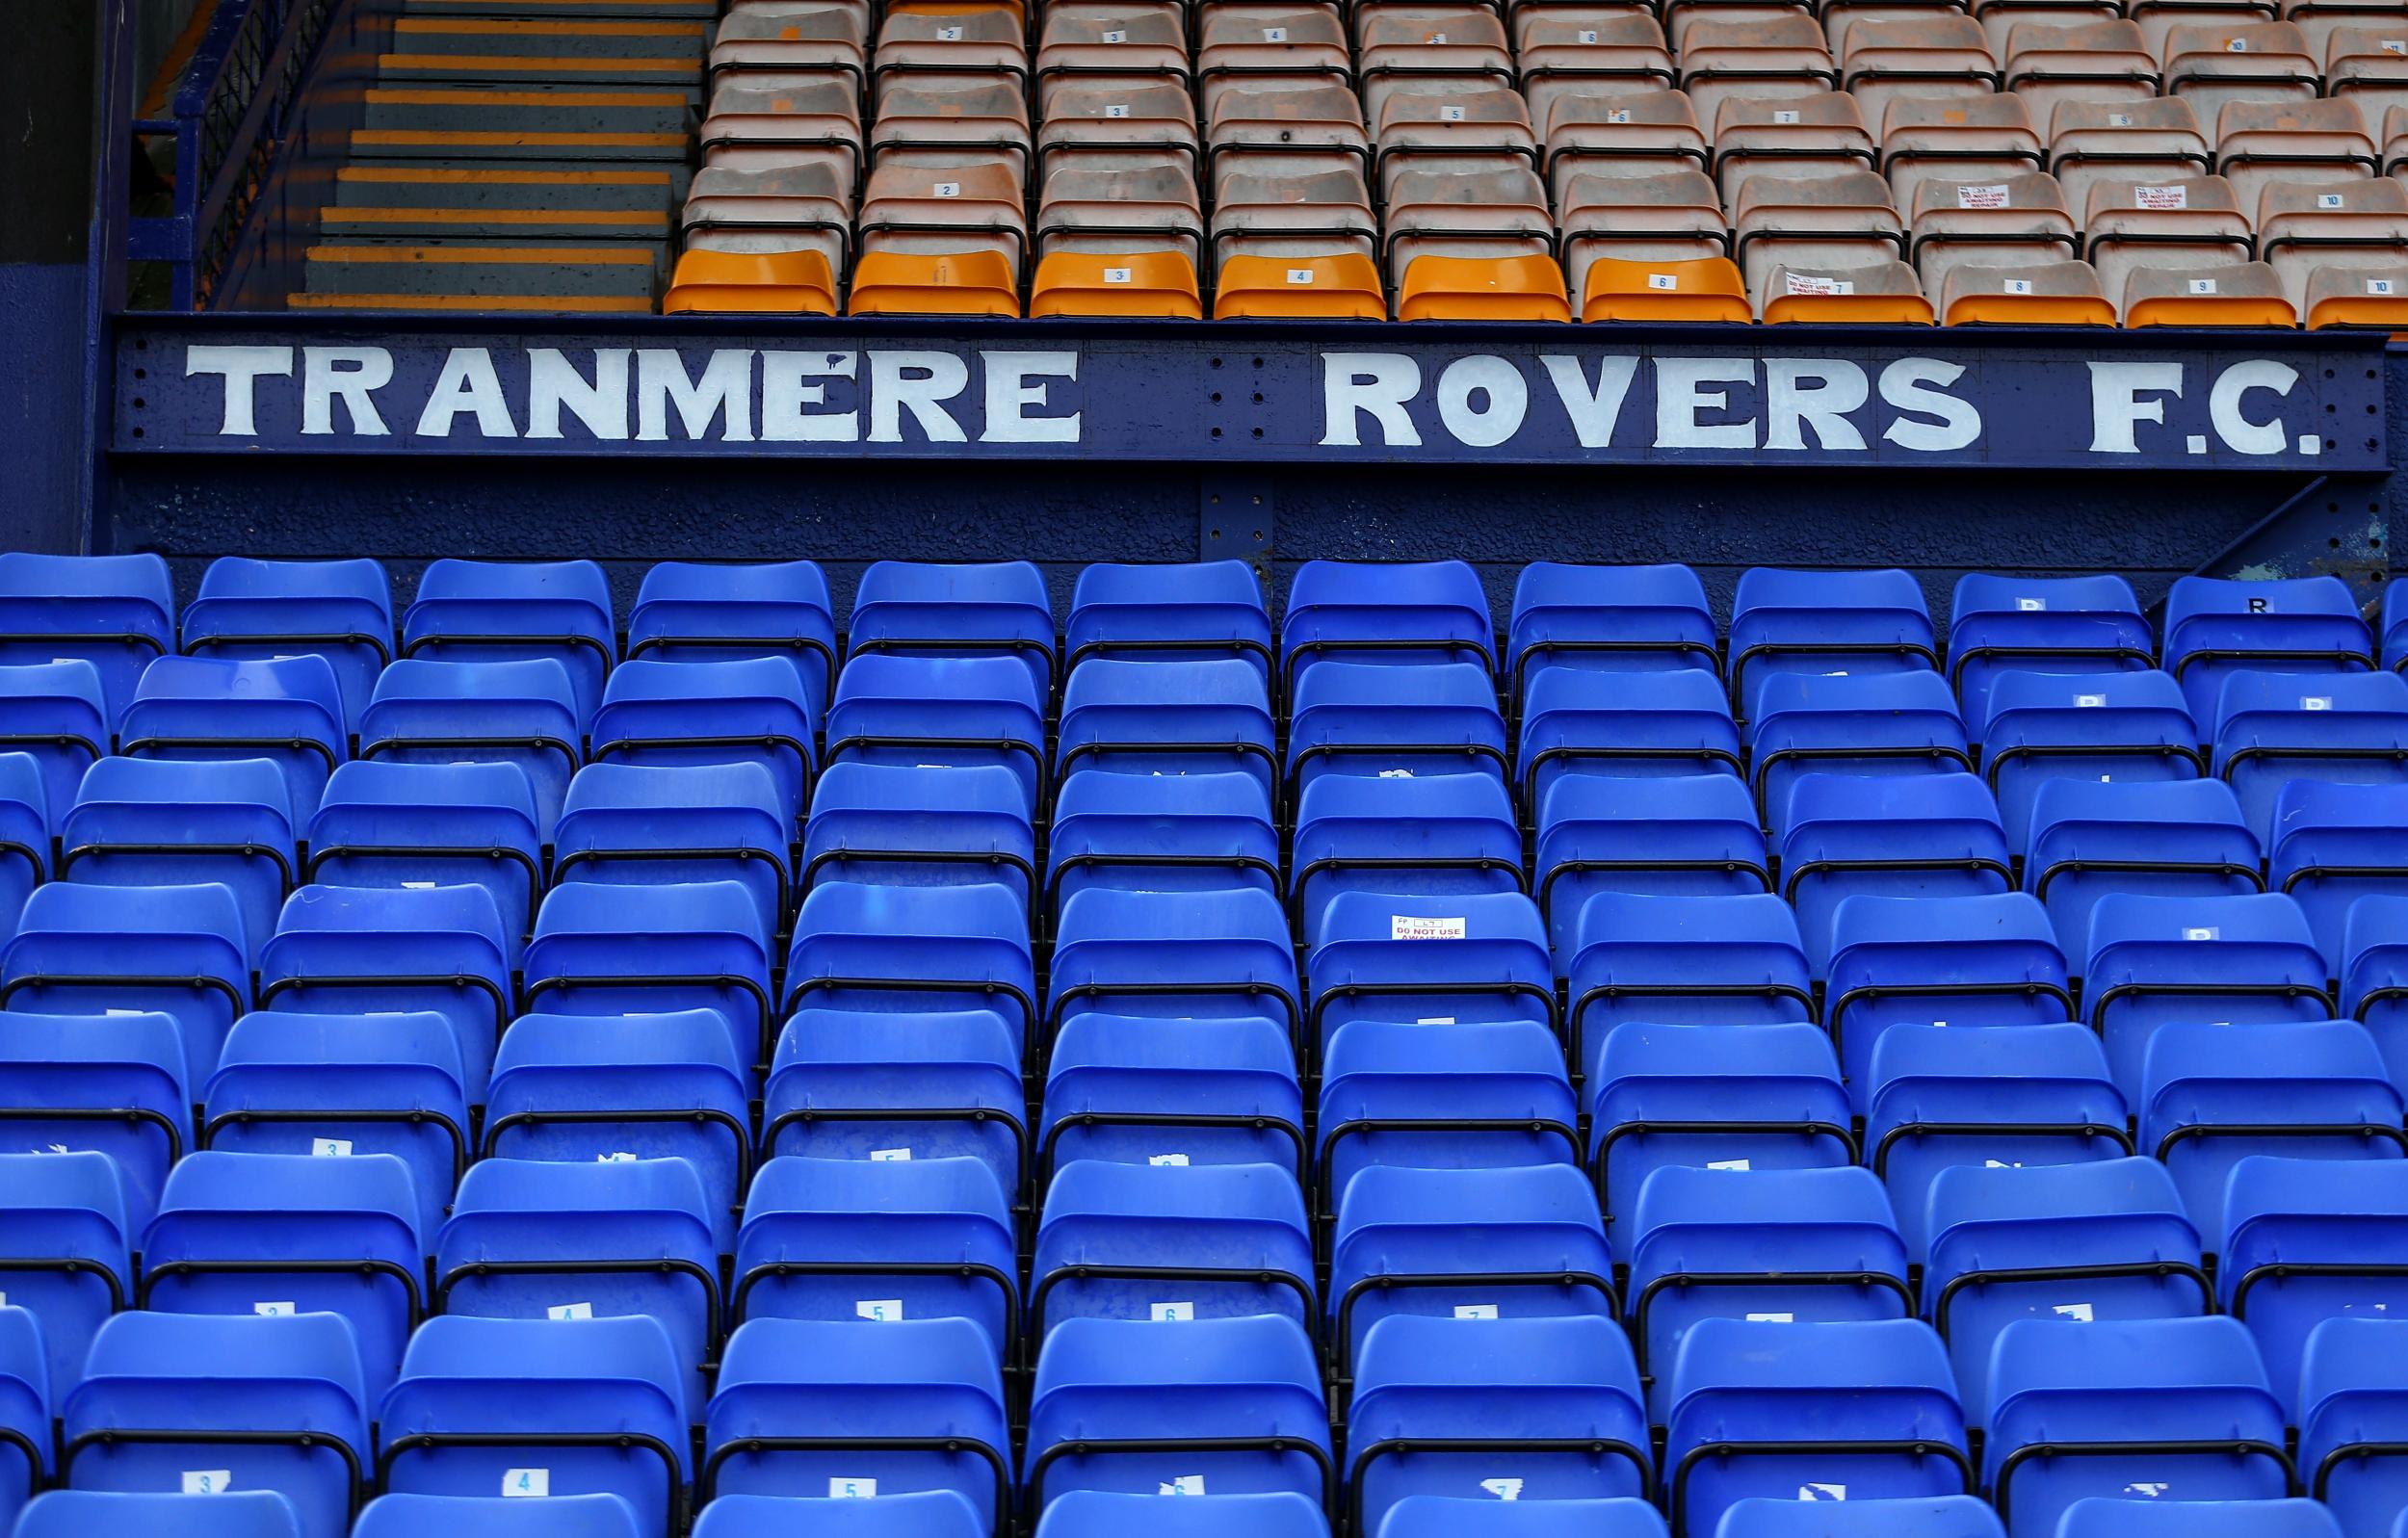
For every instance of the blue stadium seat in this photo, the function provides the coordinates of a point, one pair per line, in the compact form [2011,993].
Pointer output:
[1939,1097]
[874,1084]
[1787,1245]
[1108,1514]
[1825,623]
[2332,845]
[2107,1517]
[1466,1243]
[706,612]
[965,609]
[1607,619]
[2273,729]
[24,834]
[289,1233]
[919,1514]
[1853,1411]
[2236,961]
[1749,1097]
[1899,725]
[881,1240]
[1161,833]
[378,950]
[1403,611]
[2373,964]
[395,824]
[1432,960]
[1704,961]
[913,950]
[697,945]
[749,711]
[1689,835]
[582,1087]
[918,710]
[1926,1517]
[157,822]
[1221,953]
[1467,1096]
[1630,725]
[339,610]
[1169,717]
[1483,1517]
[201,708]
[233,1514]
[534,1239]
[1135,1089]
[2308,1239]
[1213,1407]
[175,949]
[117,612]
[2395,637]
[1432,835]
[895,824]
[1170,1242]
[1969,961]
[1538,1410]
[1841,836]
[540,1407]
[2215,1094]
[522,712]
[2147,1408]
[844,1409]
[2063,625]
[2217,626]
[2089,839]
[2353,1422]
[206,1404]
[497,1517]
[65,1250]
[2103,728]
[1368,719]
[54,713]
[2060,1242]
[631,825]
[1185,612]
[496,611]
[333,1085]
[110,1084]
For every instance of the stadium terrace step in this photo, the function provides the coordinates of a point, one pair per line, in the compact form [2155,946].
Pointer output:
[531,123]
[534,275]
[554,49]
[703,11]
[487,202]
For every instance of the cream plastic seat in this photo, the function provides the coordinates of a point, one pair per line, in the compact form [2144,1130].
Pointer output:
[1778,56]
[1680,15]
[2159,17]
[1136,39]
[2213,66]
[936,121]
[2360,294]
[1447,119]
[974,44]
[1879,293]
[787,208]
[2323,141]
[1272,210]
[2320,18]
[2059,293]
[2094,62]
[759,122]
[1117,123]
[2155,140]
[1961,139]
[2244,294]
[2192,223]
[918,211]
[1799,136]
[1112,212]
[1670,218]
[1564,57]
[1272,39]
[2304,228]
[1813,222]
[1999,19]
[1464,210]
[1419,48]
[1625,136]
[2367,67]
[1945,56]
[2017,223]
[1250,118]
[793,37]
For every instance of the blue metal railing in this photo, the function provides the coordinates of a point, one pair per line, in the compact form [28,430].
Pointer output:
[230,117]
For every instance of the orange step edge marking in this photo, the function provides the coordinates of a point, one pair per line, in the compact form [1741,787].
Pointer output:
[442,301]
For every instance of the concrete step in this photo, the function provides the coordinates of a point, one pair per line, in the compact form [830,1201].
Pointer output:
[490,203]
[525,123]
[703,11]
[534,275]
[560,50]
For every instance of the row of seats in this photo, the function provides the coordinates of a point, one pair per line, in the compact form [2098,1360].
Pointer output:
[1453,161]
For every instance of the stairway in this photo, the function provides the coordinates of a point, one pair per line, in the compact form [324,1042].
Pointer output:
[518,155]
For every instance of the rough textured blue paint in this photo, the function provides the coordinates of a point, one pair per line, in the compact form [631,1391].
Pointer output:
[42,346]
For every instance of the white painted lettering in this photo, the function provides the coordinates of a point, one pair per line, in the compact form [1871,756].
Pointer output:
[1483,399]
[726,385]
[1816,393]
[1376,382]
[784,398]
[2116,406]
[242,367]
[467,384]
[918,382]
[1679,399]
[1009,393]
[1915,385]
[2224,412]
[553,383]
[350,374]
[1593,412]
